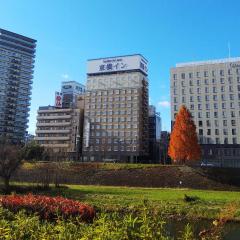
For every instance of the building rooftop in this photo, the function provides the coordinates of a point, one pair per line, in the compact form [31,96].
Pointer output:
[72,81]
[217,61]
[137,54]
[3,31]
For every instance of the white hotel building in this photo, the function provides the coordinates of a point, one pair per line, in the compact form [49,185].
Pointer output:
[211,91]
[116,109]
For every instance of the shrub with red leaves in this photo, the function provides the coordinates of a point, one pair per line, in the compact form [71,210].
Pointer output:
[48,207]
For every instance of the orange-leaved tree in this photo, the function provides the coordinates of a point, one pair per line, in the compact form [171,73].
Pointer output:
[183,144]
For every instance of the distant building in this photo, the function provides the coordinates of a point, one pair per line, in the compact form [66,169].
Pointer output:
[17,55]
[116,109]
[154,121]
[211,91]
[164,144]
[61,129]
[70,91]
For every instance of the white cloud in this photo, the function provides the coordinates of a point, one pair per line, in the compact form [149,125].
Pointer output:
[65,76]
[165,104]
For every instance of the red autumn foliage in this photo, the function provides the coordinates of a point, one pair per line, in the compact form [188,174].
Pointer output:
[48,208]
[183,144]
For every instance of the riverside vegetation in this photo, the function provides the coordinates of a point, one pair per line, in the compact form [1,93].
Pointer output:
[127,213]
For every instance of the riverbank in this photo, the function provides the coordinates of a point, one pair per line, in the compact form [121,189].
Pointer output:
[113,174]
[173,202]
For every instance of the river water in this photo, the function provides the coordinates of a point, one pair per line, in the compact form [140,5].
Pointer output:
[230,230]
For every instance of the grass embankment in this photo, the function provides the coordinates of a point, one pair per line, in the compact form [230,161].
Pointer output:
[102,166]
[170,202]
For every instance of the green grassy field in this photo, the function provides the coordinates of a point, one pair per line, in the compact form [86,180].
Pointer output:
[209,204]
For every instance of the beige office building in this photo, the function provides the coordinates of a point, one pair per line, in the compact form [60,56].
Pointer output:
[61,129]
[116,109]
[211,91]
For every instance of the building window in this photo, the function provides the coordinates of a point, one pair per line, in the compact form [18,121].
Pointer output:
[183,75]
[234,132]
[225,131]
[201,132]
[199,107]
[207,114]
[174,76]
[209,132]
[200,123]
[216,131]
[221,72]
[234,140]
[225,140]
[224,122]
[208,123]
[217,141]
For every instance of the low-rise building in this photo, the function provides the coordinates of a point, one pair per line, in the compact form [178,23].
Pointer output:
[60,129]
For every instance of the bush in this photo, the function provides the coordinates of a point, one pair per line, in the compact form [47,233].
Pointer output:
[106,226]
[48,207]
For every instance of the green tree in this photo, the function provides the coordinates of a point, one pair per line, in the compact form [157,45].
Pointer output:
[33,151]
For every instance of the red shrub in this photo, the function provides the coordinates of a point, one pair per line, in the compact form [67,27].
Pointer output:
[48,207]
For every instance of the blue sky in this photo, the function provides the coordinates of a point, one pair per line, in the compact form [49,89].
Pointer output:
[165,31]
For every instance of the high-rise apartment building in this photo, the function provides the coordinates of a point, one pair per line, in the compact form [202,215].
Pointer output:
[211,91]
[17,55]
[116,109]
[70,91]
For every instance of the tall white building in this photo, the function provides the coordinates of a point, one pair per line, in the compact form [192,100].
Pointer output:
[116,109]
[211,91]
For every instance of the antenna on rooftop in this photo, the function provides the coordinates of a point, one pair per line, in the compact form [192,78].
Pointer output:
[229,50]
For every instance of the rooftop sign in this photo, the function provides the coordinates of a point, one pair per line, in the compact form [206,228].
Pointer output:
[117,64]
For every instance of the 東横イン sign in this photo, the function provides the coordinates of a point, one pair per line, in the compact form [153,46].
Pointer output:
[116,64]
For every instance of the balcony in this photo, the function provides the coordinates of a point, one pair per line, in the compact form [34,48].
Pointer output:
[55,145]
[54,117]
[53,124]
[54,131]
[57,138]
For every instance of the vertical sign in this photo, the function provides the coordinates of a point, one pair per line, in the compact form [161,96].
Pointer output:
[58,99]
[87,132]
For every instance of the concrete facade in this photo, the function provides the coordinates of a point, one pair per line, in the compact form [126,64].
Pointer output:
[211,91]
[61,129]
[116,114]
[17,55]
